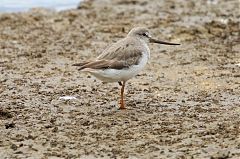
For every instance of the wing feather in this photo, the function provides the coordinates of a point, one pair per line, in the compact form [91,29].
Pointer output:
[120,55]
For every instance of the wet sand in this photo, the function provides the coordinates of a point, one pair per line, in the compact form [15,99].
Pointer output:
[185,104]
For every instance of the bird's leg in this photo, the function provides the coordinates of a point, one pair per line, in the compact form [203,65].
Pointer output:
[120,83]
[122,105]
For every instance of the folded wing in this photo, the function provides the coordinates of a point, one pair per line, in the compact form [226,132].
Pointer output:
[118,56]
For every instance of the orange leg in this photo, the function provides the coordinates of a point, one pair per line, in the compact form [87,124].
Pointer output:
[122,105]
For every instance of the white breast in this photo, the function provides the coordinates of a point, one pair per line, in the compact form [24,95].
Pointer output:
[115,75]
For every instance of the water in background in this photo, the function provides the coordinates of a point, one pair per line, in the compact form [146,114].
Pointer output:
[25,5]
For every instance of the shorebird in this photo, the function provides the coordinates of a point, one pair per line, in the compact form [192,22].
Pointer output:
[123,59]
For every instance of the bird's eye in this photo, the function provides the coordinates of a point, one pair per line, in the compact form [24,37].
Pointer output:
[144,34]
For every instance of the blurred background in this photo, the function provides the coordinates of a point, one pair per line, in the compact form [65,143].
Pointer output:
[17,6]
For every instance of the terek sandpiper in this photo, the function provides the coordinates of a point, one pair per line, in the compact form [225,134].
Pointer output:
[122,60]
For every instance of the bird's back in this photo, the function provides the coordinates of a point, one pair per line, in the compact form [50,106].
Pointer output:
[123,49]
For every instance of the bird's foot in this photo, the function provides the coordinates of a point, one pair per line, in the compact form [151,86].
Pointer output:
[122,105]
[122,108]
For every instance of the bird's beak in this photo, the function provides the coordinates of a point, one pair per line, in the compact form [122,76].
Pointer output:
[151,40]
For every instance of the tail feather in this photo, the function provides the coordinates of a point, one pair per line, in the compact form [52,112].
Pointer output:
[82,64]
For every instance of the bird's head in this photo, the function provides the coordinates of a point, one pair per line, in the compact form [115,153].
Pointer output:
[144,34]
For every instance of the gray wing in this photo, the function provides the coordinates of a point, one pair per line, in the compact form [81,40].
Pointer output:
[126,51]
[122,54]
[118,62]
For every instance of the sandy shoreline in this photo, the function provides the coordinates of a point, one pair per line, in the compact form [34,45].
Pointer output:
[185,104]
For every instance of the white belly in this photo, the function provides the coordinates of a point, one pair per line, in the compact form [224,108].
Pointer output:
[115,75]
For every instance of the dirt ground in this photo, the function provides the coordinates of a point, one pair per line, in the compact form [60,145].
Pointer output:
[185,104]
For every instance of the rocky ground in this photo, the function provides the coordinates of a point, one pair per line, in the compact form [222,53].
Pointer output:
[185,104]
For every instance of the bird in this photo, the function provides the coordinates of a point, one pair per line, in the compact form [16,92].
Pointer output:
[122,60]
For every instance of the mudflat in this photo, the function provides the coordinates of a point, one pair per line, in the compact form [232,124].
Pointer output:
[185,104]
